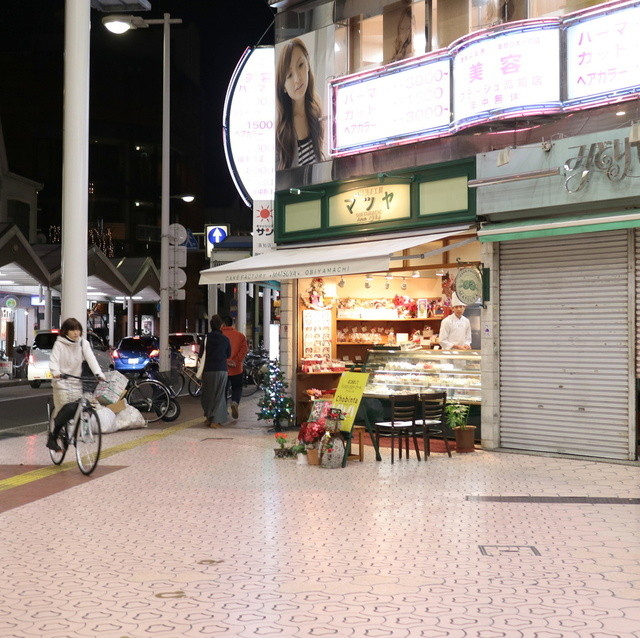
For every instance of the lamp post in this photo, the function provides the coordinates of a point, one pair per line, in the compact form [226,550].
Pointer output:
[121,24]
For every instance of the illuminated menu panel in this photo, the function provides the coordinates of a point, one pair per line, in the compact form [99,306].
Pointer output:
[250,125]
[603,56]
[410,101]
[507,73]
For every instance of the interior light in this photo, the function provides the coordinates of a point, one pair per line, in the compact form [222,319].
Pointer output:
[7,282]
[368,278]
[403,285]
[387,284]
[440,273]
[341,282]
[416,274]
[388,276]
[619,113]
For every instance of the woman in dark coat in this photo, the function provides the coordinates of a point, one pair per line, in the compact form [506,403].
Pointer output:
[217,350]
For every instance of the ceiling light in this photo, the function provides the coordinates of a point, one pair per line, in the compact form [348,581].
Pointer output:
[388,277]
[403,285]
[386,285]
[440,273]
[619,113]
[368,278]
[416,274]
[341,282]
[7,282]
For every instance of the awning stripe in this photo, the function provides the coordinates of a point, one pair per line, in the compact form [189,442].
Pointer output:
[549,227]
[318,261]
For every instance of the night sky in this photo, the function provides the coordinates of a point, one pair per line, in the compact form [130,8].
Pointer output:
[226,29]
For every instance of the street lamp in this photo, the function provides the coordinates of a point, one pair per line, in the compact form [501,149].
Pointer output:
[121,24]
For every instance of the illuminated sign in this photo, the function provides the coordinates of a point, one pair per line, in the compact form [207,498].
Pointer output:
[515,71]
[249,129]
[404,101]
[370,205]
[603,55]
[214,235]
[589,58]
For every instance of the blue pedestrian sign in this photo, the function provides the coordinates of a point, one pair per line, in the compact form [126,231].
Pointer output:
[215,235]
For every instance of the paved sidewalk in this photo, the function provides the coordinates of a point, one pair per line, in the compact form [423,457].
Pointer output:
[190,531]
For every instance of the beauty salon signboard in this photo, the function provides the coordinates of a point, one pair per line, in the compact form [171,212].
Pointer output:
[533,67]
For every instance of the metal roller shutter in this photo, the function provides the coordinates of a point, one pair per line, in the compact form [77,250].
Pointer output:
[564,345]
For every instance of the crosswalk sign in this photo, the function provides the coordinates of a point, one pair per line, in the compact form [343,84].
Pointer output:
[215,234]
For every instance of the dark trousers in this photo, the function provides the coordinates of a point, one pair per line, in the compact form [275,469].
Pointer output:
[235,380]
[67,412]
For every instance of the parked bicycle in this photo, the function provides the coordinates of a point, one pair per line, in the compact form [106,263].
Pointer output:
[255,366]
[82,431]
[152,398]
[173,381]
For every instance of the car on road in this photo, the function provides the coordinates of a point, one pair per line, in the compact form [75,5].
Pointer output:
[134,354]
[38,364]
[188,344]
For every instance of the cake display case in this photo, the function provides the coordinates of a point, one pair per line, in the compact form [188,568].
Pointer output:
[456,372]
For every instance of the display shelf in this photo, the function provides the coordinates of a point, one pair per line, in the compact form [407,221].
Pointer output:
[424,371]
[439,318]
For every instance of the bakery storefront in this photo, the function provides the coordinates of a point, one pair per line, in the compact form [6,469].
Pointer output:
[368,269]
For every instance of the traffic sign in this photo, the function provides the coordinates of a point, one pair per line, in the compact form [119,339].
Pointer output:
[177,234]
[215,235]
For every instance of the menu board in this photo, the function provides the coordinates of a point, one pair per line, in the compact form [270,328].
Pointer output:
[316,334]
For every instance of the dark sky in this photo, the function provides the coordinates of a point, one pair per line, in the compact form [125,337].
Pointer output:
[226,28]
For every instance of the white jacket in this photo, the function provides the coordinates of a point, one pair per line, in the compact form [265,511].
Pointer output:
[66,358]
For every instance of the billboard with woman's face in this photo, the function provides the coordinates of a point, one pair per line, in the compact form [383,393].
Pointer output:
[304,66]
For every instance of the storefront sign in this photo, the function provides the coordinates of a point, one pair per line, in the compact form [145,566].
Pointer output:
[381,203]
[249,129]
[348,396]
[515,71]
[603,55]
[372,109]
[263,237]
[600,168]
[468,285]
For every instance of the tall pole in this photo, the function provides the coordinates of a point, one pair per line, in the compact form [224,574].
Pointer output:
[75,169]
[164,218]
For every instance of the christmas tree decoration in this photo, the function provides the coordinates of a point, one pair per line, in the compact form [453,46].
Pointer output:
[275,404]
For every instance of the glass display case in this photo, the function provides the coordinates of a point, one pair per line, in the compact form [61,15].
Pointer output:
[407,371]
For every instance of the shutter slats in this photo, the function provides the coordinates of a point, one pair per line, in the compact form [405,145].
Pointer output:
[564,330]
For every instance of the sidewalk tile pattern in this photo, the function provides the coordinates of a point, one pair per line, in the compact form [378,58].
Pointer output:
[205,533]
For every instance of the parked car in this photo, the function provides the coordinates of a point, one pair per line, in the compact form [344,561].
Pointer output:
[188,344]
[38,365]
[134,354]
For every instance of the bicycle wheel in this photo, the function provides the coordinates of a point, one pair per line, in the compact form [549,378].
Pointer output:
[150,398]
[195,387]
[57,457]
[174,380]
[173,412]
[88,439]
[249,384]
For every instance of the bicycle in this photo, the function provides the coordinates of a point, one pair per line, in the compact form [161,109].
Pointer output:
[86,433]
[173,381]
[150,397]
[194,385]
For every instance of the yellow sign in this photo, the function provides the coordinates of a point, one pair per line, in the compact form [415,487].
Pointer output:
[348,396]
[370,204]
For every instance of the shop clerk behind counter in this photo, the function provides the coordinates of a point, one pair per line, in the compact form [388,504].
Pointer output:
[455,330]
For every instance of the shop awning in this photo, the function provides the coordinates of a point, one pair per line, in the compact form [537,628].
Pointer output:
[320,261]
[548,227]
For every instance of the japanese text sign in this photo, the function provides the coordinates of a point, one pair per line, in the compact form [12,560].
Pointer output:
[348,396]
[369,205]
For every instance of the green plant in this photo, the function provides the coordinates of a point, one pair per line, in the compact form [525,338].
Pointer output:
[456,415]
[298,448]
[281,439]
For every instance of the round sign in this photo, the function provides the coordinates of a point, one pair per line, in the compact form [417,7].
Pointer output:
[177,234]
[177,277]
[11,302]
[468,285]
[216,234]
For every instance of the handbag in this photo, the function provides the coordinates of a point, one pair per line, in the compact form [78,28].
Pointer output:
[200,370]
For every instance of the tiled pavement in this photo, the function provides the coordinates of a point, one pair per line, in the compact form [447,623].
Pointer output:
[203,533]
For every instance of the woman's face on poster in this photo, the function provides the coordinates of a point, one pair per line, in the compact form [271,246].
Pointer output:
[297,78]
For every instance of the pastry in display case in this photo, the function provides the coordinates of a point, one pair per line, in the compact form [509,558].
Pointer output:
[456,372]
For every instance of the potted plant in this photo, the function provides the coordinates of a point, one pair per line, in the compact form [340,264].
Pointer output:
[282,452]
[456,415]
[310,434]
[299,450]
[275,403]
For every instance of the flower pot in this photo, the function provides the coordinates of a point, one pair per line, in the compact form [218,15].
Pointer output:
[301,459]
[465,439]
[282,453]
[313,456]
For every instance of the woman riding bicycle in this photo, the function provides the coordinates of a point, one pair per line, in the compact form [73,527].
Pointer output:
[69,352]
